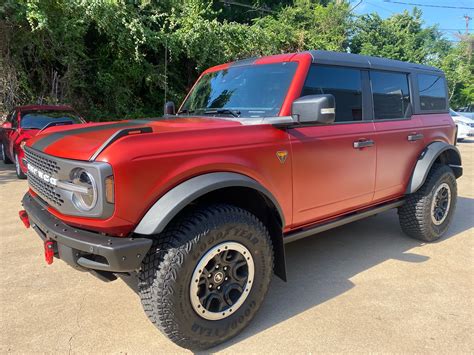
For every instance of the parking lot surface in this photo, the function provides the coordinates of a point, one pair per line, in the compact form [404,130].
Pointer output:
[363,287]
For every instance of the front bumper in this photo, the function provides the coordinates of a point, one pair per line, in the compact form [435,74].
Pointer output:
[83,249]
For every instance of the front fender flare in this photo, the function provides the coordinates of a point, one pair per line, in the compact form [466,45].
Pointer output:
[171,203]
[427,159]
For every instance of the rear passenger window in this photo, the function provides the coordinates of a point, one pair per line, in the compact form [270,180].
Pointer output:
[344,83]
[432,92]
[391,95]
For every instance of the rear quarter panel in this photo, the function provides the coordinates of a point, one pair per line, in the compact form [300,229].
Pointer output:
[438,127]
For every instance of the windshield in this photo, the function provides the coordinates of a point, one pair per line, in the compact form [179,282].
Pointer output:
[247,91]
[39,119]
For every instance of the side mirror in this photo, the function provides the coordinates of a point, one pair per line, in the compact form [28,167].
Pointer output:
[170,108]
[7,125]
[314,109]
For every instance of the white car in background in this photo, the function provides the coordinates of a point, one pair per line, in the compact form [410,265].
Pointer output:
[465,125]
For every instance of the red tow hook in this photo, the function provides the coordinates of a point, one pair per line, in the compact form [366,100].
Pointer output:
[49,251]
[24,218]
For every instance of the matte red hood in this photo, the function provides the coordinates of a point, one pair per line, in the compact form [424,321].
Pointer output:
[80,142]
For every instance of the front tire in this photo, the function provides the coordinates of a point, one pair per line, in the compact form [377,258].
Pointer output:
[207,275]
[19,173]
[427,213]
[5,158]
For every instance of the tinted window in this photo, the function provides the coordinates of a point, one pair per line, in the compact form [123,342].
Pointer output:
[432,92]
[391,95]
[344,83]
[251,90]
[39,119]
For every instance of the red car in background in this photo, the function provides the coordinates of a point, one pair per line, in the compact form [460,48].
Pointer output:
[25,122]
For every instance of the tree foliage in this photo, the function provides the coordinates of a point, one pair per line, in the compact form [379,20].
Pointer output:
[107,57]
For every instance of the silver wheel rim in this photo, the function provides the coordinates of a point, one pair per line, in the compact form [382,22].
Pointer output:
[440,204]
[17,165]
[223,271]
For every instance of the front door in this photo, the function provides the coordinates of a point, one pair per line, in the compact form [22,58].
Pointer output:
[333,165]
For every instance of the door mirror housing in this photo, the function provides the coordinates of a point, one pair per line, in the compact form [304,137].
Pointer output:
[170,108]
[314,109]
[7,125]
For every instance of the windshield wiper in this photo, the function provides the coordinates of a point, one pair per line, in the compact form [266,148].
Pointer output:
[57,123]
[235,113]
[185,111]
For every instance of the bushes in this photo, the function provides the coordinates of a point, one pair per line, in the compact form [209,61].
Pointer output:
[107,58]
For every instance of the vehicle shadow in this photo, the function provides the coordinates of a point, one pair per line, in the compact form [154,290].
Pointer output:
[7,173]
[320,267]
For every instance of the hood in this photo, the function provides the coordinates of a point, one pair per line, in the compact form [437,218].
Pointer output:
[81,142]
[463,119]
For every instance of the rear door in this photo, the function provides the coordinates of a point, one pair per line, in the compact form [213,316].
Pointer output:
[331,175]
[398,133]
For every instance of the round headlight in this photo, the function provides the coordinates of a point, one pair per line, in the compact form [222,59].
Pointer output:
[84,201]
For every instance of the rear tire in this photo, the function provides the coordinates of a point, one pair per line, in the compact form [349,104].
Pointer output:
[427,213]
[5,158]
[19,173]
[189,281]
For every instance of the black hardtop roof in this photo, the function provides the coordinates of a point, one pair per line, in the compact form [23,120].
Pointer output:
[365,61]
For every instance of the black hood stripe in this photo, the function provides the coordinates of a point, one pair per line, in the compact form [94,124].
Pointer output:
[45,142]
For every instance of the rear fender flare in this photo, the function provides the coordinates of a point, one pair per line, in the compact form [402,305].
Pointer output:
[426,160]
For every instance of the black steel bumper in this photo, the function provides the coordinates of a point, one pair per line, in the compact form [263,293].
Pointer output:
[83,249]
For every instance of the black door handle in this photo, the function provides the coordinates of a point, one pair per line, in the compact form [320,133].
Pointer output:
[415,137]
[363,143]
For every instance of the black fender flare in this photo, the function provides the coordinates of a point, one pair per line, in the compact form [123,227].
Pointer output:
[172,202]
[426,160]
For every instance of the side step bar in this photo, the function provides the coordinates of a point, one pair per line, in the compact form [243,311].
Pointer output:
[291,237]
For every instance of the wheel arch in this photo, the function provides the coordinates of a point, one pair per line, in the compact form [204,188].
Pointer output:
[220,187]
[436,152]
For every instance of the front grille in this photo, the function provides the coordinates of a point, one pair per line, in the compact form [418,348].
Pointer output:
[45,190]
[45,165]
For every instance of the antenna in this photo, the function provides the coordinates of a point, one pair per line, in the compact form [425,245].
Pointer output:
[166,70]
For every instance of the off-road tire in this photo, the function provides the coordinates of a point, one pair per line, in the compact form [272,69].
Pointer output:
[19,173]
[166,274]
[415,214]
[5,157]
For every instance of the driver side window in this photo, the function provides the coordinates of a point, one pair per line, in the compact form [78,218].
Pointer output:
[344,83]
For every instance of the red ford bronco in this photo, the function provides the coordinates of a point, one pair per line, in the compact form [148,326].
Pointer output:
[199,204]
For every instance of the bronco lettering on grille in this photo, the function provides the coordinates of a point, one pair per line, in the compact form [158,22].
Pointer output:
[43,176]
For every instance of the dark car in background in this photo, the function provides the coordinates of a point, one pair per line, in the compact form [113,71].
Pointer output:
[24,122]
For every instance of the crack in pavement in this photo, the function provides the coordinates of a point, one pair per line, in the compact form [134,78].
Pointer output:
[77,324]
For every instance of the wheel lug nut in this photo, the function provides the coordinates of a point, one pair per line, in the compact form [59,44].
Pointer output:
[218,287]
[226,278]
[209,276]
[217,266]
[225,268]
[210,286]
